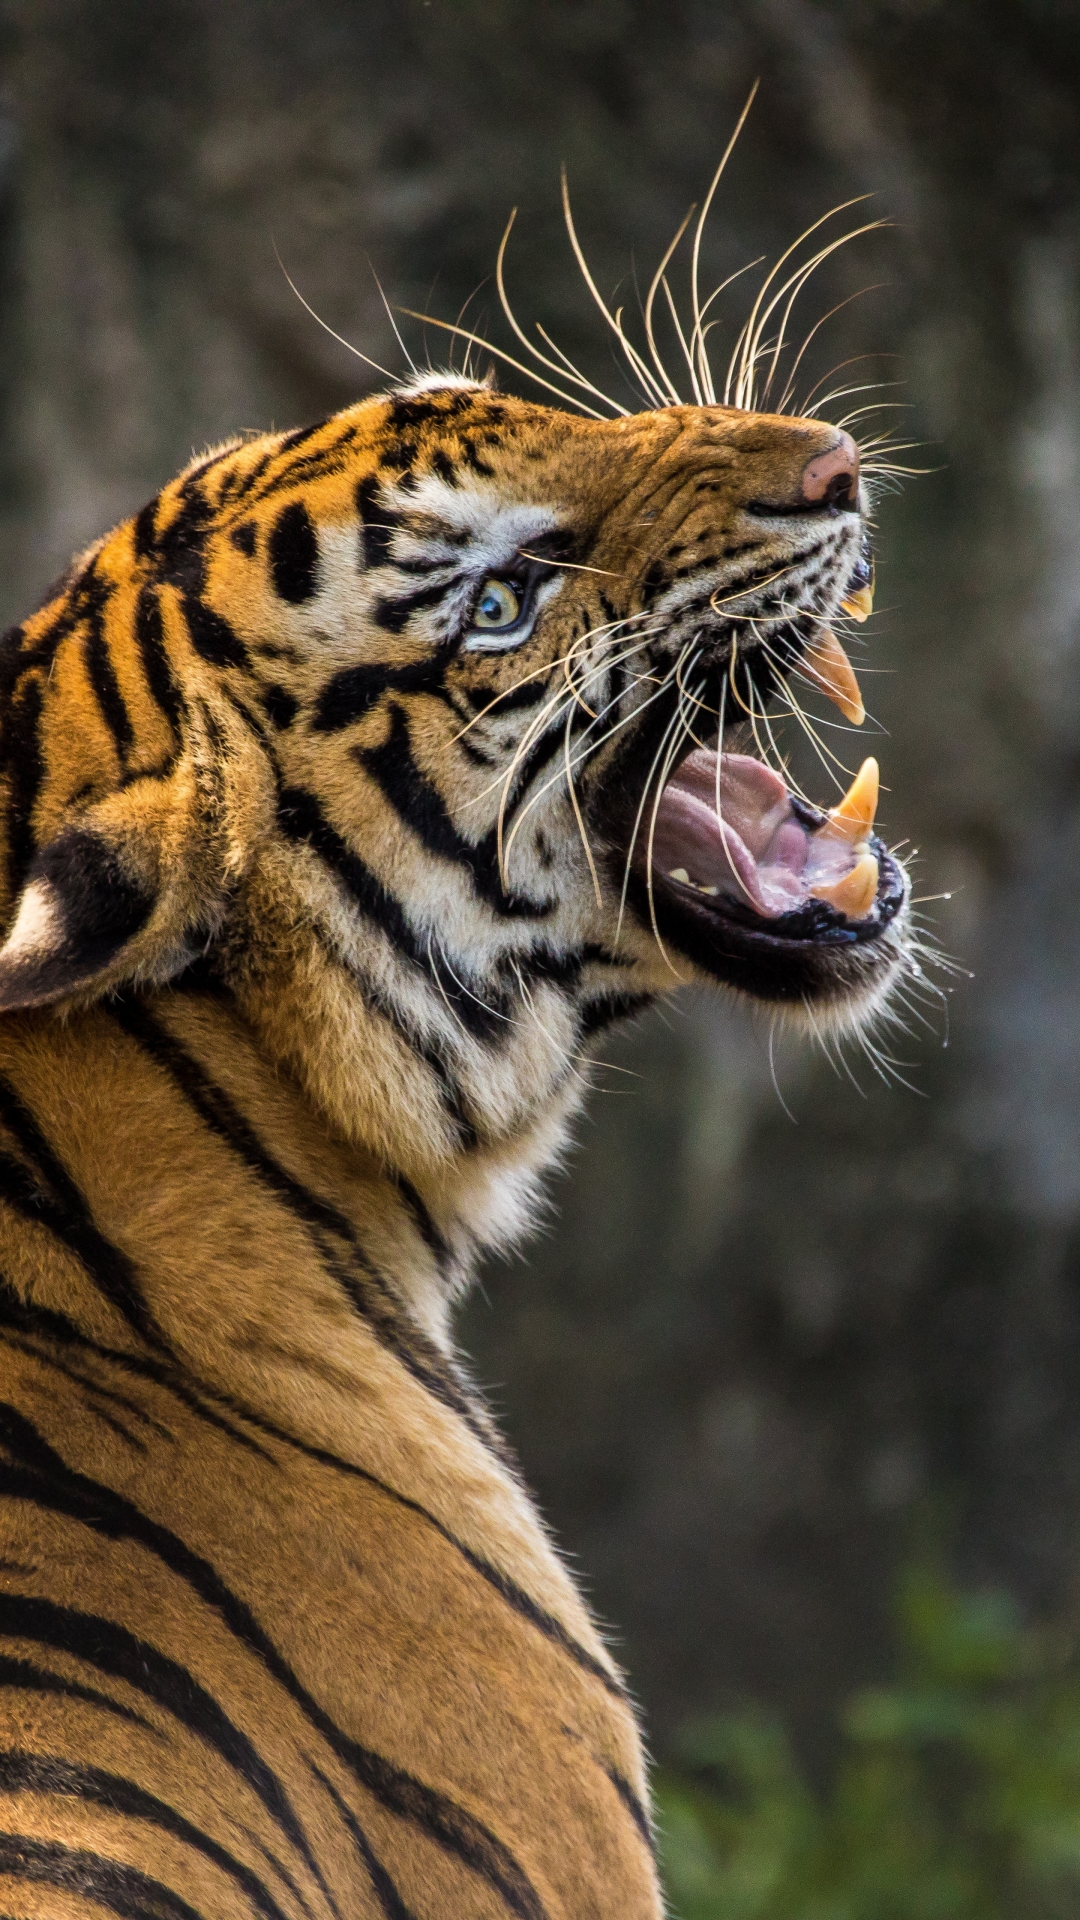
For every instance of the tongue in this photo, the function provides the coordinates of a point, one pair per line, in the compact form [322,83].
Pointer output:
[742,839]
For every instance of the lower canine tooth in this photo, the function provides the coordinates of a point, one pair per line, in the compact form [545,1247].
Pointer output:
[853,817]
[826,664]
[680,873]
[854,895]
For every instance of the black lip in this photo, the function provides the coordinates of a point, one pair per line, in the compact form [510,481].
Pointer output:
[795,957]
[817,921]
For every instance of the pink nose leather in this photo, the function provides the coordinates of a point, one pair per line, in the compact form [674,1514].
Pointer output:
[832,479]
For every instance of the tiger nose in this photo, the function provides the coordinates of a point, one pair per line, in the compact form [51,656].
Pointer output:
[832,479]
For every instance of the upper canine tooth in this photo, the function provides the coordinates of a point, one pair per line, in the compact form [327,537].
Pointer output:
[859,604]
[827,665]
[854,895]
[853,817]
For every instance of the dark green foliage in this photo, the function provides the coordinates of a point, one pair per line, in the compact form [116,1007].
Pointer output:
[956,1795]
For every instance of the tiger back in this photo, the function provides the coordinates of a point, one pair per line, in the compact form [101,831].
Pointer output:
[348,792]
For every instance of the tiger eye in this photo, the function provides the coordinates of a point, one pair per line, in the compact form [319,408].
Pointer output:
[498,605]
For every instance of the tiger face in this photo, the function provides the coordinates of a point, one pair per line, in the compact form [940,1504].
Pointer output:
[424,731]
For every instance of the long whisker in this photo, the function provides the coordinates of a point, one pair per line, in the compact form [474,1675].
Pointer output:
[576,804]
[677,324]
[586,753]
[795,284]
[697,337]
[650,299]
[634,359]
[393,322]
[548,667]
[648,782]
[816,329]
[463,333]
[743,352]
[570,372]
[677,740]
[339,337]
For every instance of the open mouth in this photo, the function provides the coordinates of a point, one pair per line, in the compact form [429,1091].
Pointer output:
[730,838]
[754,881]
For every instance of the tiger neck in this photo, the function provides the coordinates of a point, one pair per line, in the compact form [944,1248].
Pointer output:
[206,1209]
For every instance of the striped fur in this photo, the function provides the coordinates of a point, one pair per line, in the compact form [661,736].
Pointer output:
[292,1032]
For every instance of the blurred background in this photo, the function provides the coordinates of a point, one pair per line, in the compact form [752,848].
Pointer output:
[763,1337]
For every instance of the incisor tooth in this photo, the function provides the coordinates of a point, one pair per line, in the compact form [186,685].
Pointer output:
[852,818]
[827,665]
[680,874]
[855,894]
[860,604]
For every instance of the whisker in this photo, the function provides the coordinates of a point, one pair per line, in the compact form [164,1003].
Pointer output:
[587,752]
[654,285]
[339,337]
[814,331]
[676,742]
[570,371]
[476,339]
[633,357]
[576,804]
[697,337]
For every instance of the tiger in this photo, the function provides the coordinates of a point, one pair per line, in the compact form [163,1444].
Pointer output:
[348,792]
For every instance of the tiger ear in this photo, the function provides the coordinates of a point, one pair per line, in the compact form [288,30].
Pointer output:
[132,889]
[81,906]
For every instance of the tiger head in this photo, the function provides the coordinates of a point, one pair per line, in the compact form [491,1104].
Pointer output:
[405,731]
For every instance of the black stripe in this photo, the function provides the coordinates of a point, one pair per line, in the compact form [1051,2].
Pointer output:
[145,530]
[630,1801]
[508,1589]
[609,1006]
[316,466]
[94,1391]
[379,523]
[239,485]
[123,1890]
[25,1196]
[299,436]
[22,1772]
[435,1241]
[451,1094]
[351,693]
[420,805]
[442,464]
[386,1893]
[211,635]
[21,757]
[112,1649]
[31,1679]
[407,411]
[106,688]
[294,554]
[65,1212]
[160,678]
[473,458]
[527,692]
[42,1323]
[180,549]
[42,1476]
[394,613]
[369,1291]
[301,819]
